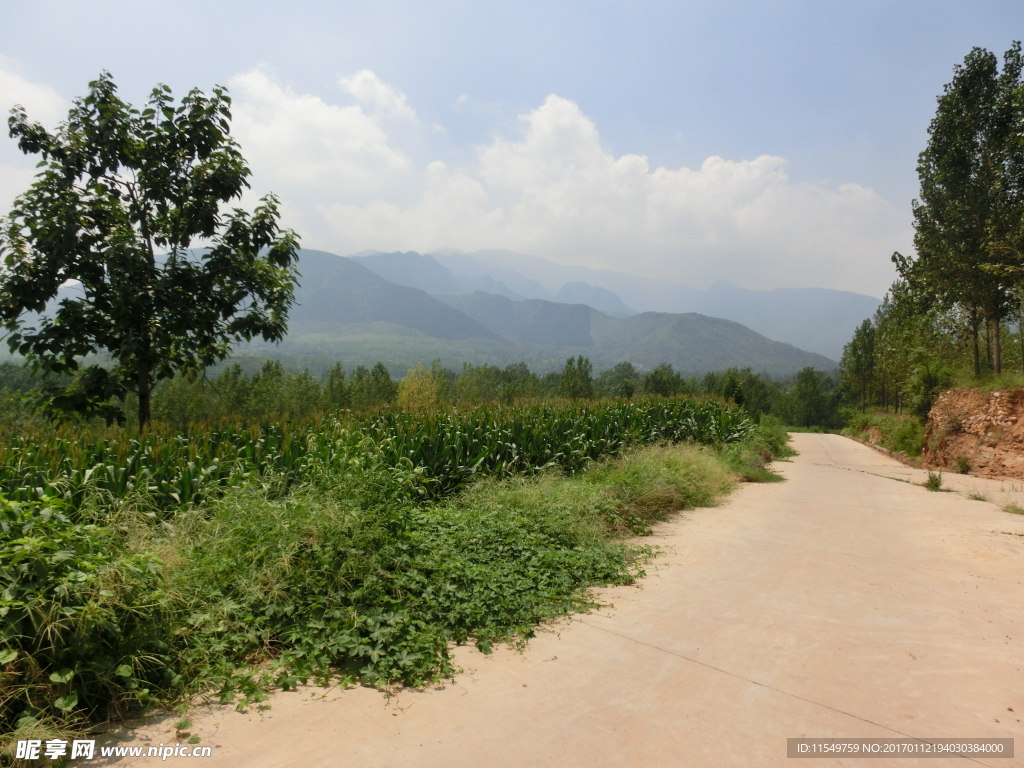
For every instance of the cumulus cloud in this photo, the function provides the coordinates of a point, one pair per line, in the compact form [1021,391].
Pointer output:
[557,192]
[300,143]
[554,190]
[43,104]
[368,89]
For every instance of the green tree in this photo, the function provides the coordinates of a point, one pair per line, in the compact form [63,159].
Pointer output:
[663,380]
[811,401]
[968,212]
[620,381]
[857,366]
[372,387]
[577,379]
[336,392]
[121,196]
[733,390]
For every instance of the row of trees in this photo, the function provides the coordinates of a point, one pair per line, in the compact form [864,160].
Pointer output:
[272,392]
[946,315]
[968,273]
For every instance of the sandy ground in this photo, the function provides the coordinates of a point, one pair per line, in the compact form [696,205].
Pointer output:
[840,603]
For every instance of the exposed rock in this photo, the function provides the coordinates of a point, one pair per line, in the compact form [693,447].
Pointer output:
[986,429]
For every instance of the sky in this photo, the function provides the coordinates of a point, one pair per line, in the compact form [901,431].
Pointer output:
[766,144]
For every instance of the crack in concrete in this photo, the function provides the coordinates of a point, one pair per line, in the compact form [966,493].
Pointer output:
[796,696]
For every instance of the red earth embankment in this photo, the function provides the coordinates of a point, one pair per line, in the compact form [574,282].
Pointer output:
[984,428]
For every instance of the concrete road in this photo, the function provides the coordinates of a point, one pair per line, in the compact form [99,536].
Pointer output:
[840,603]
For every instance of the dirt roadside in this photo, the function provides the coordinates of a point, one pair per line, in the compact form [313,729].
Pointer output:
[840,603]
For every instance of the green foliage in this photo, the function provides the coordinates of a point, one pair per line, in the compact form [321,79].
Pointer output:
[120,198]
[857,367]
[663,381]
[349,571]
[372,387]
[489,384]
[757,393]
[900,433]
[927,381]
[970,210]
[749,459]
[622,380]
[962,466]
[934,481]
[577,381]
[83,620]
[944,320]
[812,400]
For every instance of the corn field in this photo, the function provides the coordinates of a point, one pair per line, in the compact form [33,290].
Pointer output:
[448,448]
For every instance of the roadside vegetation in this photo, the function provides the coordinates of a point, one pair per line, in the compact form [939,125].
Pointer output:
[901,433]
[225,561]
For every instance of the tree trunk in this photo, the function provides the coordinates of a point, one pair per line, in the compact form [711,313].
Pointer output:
[1020,329]
[145,398]
[988,343]
[997,346]
[977,357]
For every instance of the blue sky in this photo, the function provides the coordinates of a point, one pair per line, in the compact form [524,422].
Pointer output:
[541,127]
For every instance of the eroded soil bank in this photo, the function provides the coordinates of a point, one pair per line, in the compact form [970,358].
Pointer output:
[983,429]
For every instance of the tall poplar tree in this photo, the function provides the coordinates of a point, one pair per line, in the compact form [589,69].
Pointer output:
[965,196]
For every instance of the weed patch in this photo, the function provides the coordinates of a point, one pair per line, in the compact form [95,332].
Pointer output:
[934,481]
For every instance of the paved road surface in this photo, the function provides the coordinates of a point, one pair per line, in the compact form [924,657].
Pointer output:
[839,603]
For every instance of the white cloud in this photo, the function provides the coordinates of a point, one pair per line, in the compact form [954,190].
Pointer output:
[367,89]
[299,143]
[43,104]
[556,191]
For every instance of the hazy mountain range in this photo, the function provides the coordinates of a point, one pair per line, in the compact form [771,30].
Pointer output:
[404,308]
[816,319]
[346,311]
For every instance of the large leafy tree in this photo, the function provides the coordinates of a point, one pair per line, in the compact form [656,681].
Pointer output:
[967,207]
[121,198]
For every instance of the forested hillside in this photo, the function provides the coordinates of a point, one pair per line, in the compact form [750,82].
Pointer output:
[344,311]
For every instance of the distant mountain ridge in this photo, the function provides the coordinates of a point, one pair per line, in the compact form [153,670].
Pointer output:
[414,270]
[690,342]
[333,290]
[820,320]
[347,312]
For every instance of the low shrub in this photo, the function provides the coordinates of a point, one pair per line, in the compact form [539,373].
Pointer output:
[84,621]
[899,433]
